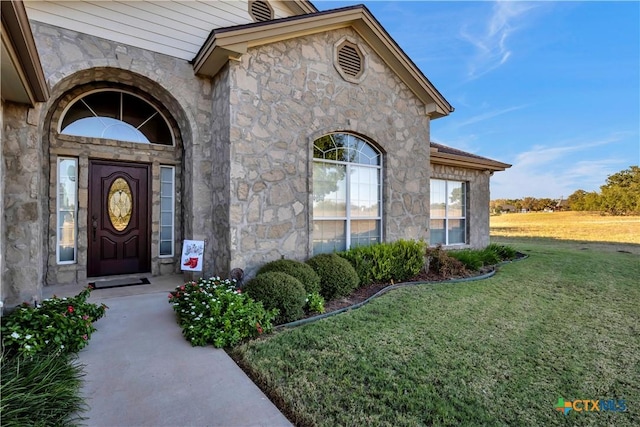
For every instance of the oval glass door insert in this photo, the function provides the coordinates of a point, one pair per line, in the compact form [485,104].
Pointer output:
[120,204]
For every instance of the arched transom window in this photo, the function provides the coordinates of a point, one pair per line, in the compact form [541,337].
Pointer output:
[347,193]
[115,114]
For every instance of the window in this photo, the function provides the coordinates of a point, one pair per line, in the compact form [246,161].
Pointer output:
[448,212]
[167,212]
[114,114]
[67,210]
[347,189]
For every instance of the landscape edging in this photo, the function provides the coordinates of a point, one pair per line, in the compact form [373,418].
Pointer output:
[391,288]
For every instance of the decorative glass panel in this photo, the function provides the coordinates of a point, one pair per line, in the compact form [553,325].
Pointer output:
[437,232]
[365,232]
[167,213]
[448,212]
[114,114]
[329,236]
[67,212]
[329,190]
[365,192]
[120,204]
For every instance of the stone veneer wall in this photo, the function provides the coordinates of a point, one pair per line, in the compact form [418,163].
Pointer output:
[23,205]
[71,59]
[478,198]
[285,95]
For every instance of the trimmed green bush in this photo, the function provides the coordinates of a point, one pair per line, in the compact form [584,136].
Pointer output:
[41,390]
[381,263]
[504,252]
[472,259]
[301,271]
[276,289]
[337,276]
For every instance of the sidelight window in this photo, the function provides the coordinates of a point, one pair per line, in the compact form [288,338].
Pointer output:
[67,210]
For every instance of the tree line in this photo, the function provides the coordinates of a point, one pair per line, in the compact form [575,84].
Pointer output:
[620,195]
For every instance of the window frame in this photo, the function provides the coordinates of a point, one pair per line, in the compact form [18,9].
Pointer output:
[447,217]
[173,213]
[85,94]
[348,218]
[59,237]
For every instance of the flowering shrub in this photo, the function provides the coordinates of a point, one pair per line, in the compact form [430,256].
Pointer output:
[315,303]
[212,311]
[57,325]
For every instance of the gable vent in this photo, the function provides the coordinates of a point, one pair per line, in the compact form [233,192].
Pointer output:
[350,60]
[260,11]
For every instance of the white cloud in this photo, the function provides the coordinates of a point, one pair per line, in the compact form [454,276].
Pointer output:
[557,171]
[491,40]
[489,115]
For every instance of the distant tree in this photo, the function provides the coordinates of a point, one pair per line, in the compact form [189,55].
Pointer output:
[621,194]
[577,200]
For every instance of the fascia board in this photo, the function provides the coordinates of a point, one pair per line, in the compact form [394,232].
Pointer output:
[207,60]
[467,162]
[18,40]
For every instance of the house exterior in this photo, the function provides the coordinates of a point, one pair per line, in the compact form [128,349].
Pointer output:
[266,129]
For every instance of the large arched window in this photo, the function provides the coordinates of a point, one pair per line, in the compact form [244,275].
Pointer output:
[347,193]
[115,114]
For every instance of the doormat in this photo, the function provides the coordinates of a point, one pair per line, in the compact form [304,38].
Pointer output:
[117,283]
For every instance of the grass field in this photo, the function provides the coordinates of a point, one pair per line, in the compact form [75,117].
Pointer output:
[564,322]
[576,226]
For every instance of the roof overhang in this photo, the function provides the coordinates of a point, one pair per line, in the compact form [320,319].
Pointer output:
[231,43]
[466,161]
[22,77]
[302,6]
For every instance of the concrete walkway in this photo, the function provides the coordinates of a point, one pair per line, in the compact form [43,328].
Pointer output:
[140,371]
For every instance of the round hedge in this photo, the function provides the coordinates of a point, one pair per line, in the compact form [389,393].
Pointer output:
[301,271]
[278,290]
[338,278]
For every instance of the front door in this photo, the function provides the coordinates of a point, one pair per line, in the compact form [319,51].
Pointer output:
[118,218]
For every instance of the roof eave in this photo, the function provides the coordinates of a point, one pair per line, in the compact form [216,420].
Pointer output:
[232,43]
[467,162]
[20,46]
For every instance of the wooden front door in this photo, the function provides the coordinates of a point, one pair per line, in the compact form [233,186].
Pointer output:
[118,219]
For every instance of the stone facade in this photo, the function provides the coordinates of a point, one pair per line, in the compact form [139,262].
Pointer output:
[478,198]
[243,152]
[284,96]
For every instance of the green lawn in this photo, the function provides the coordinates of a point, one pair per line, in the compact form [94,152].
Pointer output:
[563,323]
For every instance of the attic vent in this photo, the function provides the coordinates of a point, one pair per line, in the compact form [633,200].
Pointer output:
[260,11]
[349,61]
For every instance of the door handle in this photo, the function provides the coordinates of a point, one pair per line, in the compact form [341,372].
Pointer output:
[94,226]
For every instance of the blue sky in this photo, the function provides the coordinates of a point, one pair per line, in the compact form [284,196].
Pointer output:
[552,88]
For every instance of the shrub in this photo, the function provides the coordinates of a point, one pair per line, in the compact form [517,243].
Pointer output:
[442,264]
[381,263]
[504,252]
[301,271]
[277,290]
[57,325]
[315,303]
[337,276]
[470,258]
[212,311]
[40,389]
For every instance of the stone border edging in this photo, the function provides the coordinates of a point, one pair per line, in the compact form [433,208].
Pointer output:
[391,288]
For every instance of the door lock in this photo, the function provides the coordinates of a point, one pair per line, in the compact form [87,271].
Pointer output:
[94,226]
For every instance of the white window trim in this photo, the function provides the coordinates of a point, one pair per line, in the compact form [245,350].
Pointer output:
[173,213]
[91,92]
[446,218]
[347,218]
[75,232]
